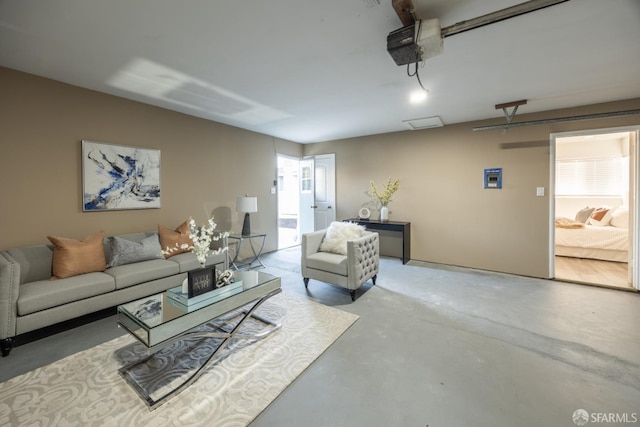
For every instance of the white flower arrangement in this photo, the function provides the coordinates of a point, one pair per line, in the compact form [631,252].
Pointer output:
[202,237]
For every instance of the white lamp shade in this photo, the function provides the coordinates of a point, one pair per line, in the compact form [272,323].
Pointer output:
[247,204]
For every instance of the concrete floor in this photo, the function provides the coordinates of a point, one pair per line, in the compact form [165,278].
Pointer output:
[443,346]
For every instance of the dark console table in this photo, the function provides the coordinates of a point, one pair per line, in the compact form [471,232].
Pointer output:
[399,226]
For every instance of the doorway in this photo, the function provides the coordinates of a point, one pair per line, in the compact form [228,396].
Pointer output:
[595,207]
[288,201]
[306,196]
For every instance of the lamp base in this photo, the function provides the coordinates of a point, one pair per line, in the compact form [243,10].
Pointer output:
[246,225]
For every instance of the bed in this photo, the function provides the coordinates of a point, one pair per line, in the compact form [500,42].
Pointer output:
[603,236]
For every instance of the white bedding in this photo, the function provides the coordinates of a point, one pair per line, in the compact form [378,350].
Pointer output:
[605,243]
[594,237]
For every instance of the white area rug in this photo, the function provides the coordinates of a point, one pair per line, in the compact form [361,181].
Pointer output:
[85,389]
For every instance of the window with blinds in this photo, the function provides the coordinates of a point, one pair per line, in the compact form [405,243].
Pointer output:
[592,177]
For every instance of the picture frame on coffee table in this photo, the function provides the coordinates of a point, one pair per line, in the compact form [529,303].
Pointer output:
[201,281]
[118,177]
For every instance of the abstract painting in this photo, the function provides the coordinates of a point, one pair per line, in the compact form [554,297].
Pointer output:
[116,177]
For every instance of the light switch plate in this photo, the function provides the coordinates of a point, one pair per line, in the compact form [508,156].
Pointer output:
[540,191]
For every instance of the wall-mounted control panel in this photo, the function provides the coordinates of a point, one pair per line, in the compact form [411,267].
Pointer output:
[493,178]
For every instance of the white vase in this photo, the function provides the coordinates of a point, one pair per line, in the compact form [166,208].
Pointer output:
[384,213]
[185,286]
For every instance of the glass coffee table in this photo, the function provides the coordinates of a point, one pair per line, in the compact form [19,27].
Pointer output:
[157,322]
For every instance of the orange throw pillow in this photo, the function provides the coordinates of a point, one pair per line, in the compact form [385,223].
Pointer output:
[174,239]
[599,213]
[73,257]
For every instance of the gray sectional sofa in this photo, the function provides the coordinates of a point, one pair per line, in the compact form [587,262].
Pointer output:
[29,300]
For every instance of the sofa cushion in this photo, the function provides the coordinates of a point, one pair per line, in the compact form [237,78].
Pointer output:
[178,240]
[337,235]
[44,294]
[139,272]
[327,261]
[72,257]
[123,251]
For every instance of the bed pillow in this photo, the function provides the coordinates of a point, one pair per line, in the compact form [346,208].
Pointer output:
[601,216]
[125,251]
[337,235]
[177,239]
[584,214]
[74,257]
[620,217]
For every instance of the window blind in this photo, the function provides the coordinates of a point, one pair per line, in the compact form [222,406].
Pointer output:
[592,177]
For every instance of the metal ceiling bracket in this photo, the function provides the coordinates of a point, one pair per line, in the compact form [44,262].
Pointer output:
[510,116]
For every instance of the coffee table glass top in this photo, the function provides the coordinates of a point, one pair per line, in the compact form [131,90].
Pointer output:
[156,319]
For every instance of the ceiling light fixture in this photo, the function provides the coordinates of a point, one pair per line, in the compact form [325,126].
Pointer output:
[418,96]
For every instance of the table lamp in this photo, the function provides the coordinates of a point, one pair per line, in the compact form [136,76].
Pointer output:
[247,205]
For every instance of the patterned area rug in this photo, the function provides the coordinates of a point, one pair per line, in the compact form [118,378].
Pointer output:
[86,389]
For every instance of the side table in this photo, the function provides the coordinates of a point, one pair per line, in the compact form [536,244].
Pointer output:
[400,226]
[239,238]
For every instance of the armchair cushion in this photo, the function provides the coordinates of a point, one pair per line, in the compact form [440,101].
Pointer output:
[326,261]
[337,235]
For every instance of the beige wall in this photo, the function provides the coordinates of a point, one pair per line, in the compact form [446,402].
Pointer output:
[205,165]
[453,219]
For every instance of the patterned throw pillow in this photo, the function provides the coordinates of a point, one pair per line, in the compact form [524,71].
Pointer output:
[73,257]
[175,239]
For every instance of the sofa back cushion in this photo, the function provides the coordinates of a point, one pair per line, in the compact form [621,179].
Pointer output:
[35,262]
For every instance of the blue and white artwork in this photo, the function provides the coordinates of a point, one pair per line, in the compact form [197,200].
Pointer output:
[117,177]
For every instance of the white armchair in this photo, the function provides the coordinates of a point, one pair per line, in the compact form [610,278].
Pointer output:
[350,271]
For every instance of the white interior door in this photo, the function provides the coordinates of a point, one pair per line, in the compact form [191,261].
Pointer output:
[317,192]
[325,190]
[307,195]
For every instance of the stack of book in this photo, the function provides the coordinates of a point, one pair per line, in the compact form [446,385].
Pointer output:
[182,301]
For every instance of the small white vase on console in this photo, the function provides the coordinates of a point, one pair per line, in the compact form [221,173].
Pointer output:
[384,213]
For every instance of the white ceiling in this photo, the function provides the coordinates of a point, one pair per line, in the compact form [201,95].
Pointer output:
[310,71]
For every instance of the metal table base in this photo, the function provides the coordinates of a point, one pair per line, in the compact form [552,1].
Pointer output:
[227,337]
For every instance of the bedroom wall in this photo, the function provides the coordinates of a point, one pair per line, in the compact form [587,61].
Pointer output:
[204,165]
[454,220]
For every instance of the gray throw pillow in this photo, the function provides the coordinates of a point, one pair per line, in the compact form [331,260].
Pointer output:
[584,214]
[125,251]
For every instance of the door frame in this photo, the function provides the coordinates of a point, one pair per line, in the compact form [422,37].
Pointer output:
[634,210]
